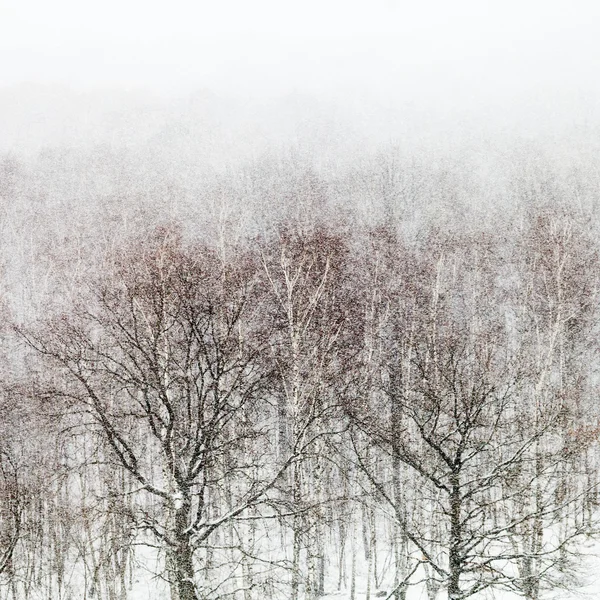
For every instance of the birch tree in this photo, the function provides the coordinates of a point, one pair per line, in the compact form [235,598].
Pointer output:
[308,294]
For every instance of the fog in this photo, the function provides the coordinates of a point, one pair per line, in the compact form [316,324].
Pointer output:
[502,61]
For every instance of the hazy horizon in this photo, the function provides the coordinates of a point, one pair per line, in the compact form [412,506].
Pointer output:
[471,51]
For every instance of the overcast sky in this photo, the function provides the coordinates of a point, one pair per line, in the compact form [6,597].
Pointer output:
[276,44]
[513,64]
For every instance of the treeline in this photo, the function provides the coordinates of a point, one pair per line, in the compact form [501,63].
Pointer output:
[298,375]
[308,410]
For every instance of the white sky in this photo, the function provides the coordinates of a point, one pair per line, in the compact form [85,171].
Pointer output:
[276,44]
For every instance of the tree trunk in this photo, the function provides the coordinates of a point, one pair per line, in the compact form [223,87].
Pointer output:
[182,563]
[400,541]
[353,567]
[297,534]
[455,551]
[184,573]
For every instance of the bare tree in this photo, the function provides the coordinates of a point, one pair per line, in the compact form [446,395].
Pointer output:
[450,399]
[164,360]
[12,504]
[309,301]
[554,315]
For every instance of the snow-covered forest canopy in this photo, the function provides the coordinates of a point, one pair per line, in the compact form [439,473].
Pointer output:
[299,303]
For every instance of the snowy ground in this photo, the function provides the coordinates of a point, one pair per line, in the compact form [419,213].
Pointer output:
[588,589]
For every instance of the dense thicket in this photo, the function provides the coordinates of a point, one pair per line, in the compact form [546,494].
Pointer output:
[294,377]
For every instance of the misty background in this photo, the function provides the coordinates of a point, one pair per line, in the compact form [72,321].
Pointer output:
[387,70]
[135,113]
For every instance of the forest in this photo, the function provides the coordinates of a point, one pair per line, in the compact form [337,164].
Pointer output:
[326,366]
